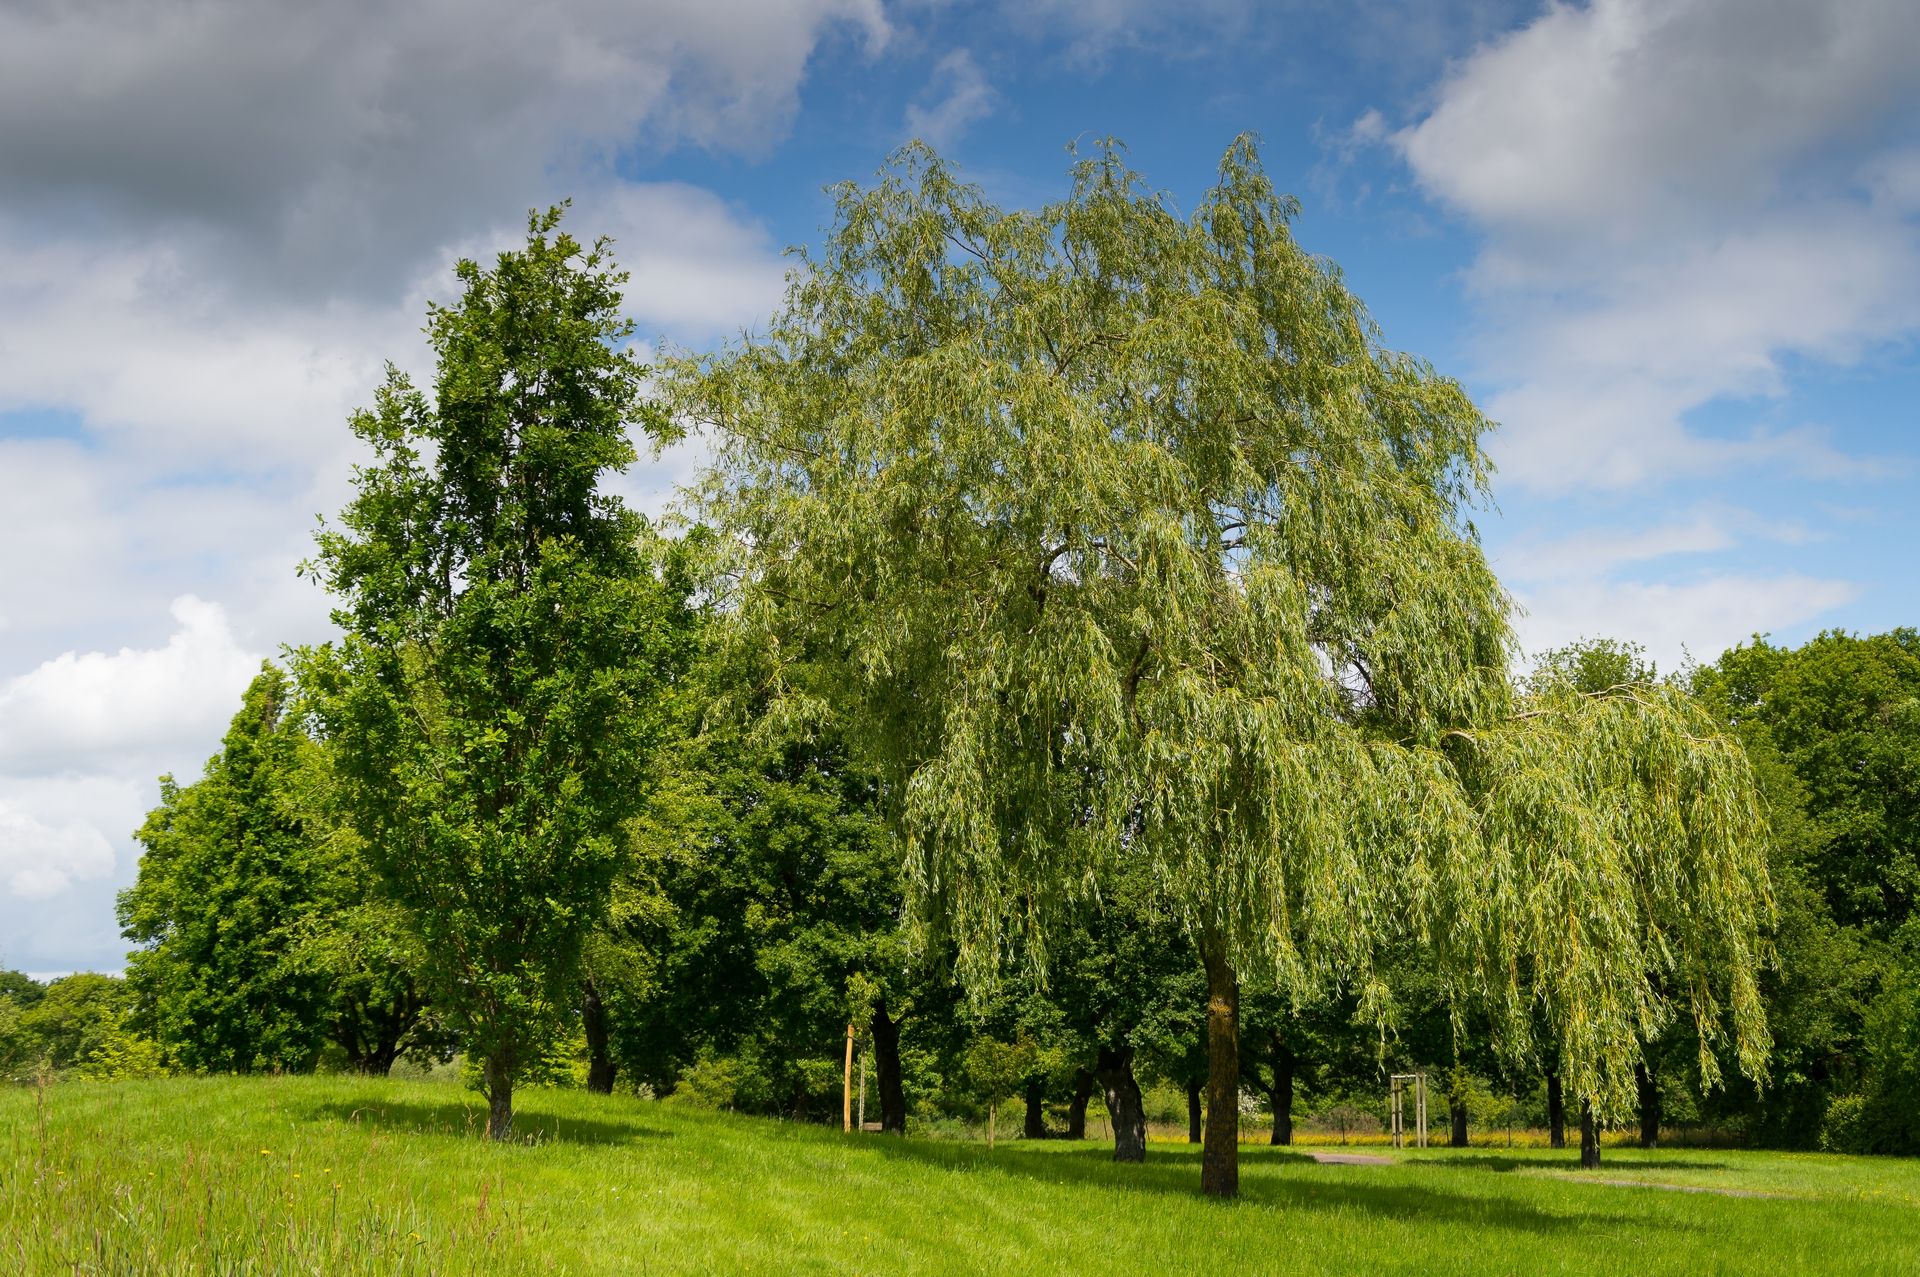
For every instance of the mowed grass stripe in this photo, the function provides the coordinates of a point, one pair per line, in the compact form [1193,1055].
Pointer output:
[170,1177]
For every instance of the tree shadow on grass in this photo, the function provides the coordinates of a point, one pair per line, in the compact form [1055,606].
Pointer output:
[1177,1172]
[469,1121]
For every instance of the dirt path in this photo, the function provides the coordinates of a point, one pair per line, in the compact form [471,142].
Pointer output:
[1350,1159]
[1679,1188]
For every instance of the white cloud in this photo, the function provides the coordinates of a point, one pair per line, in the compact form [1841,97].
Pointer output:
[960,97]
[1095,28]
[1596,551]
[39,860]
[1605,117]
[1673,619]
[130,336]
[1678,198]
[700,267]
[1593,583]
[81,710]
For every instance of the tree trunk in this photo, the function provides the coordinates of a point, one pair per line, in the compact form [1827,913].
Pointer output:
[1589,1138]
[1194,1086]
[1129,1116]
[593,1018]
[1282,1096]
[1457,1110]
[1556,1111]
[1036,1127]
[385,1048]
[1220,1158]
[1077,1109]
[1649,1088]
[386,1025]
[499,1099]
[886,1070]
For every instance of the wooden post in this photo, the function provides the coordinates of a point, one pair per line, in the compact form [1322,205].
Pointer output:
[862,1113]
[1420,1089]
[846,1085]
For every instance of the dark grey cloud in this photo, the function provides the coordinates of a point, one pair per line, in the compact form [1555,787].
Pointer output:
[325,147]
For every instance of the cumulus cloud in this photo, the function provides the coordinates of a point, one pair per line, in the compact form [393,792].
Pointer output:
[1678,198]
[87,708]
[960,97]
[700,267]
[1607,116]
[325,147]
[38,860]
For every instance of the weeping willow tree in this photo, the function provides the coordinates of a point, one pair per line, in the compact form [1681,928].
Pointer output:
[1122,545]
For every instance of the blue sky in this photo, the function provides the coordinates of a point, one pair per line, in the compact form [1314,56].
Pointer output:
[1673,247]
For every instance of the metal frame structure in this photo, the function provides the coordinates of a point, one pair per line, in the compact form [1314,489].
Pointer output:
[1398,1102]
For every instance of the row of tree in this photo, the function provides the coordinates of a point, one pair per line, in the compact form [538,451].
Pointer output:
[1087,665]
[760,908]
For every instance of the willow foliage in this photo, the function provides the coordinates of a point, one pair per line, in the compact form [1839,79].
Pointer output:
[1122,542]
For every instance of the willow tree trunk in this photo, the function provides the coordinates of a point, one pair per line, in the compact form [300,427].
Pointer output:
[1036,1127]
[1129,1116]
[1282,1095]
[1194,1086]
[1220,1157]
[1589,1138]
[886,1070]
[1556,1111]
[1077,1107]
[1457,1111]
[499,1079]
[1649,1087]
[593,1019]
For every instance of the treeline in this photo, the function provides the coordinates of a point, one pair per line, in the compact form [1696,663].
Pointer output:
[1084,671]
[760,913]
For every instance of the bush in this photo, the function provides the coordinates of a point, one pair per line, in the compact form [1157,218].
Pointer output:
[1846,1128]
[16,1051]
[80,1025]
[1893,1066]
[120,1056]
[712,1081]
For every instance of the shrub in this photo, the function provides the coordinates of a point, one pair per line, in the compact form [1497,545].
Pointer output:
[1845,1129]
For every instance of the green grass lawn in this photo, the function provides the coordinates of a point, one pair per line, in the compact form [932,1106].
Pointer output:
[338,1175]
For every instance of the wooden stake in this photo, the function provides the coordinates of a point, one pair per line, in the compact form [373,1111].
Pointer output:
[846,1085]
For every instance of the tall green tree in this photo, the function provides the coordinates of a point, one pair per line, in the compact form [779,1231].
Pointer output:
[1833,728]
[1122,540]
[228,872]
[259,939]
[509,638]
[1842,715]
[777,895]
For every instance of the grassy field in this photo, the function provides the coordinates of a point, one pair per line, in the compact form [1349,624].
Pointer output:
[336,1175]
